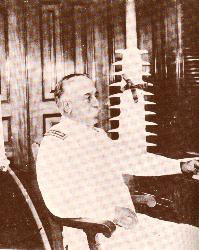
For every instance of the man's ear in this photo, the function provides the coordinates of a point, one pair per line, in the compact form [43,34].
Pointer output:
[67,107]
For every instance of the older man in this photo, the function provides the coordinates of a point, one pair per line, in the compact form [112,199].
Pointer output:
[75,167]
[79,175]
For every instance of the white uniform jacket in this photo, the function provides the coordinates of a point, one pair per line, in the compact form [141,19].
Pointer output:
[78,172]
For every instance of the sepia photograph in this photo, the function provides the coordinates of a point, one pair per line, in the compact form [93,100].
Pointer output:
[99,124]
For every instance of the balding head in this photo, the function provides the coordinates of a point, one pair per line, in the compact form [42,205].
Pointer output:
[59,88]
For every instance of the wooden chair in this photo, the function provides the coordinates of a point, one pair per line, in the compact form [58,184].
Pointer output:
[90,227]
[42,222]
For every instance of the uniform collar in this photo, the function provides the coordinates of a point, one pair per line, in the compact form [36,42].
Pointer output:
[77,128]
[74,125]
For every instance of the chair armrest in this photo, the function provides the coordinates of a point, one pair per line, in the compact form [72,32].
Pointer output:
[87,225]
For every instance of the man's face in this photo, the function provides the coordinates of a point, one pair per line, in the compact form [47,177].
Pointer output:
[80,92]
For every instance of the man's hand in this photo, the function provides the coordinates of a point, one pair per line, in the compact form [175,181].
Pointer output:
[190,167]
[125,217]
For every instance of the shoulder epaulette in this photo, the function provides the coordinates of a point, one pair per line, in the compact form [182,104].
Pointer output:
[56,133]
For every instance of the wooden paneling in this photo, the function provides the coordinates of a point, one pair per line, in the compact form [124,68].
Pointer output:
[80,14]
[52,63]
[165,61]
[34,70]
[40,99]
[89,23]
[5,81]
[159,29]
[18,82]
[4,50]
[41,41]
[4,78]
[17,78]
[50,39]
[68,38]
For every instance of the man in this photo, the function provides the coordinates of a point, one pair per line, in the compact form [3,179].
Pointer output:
[79,174]
[74,165]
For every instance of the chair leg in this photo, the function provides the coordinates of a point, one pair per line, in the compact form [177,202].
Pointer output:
[93,241]
[55,235]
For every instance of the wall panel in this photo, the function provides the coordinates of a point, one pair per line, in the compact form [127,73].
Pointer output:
[52,51]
